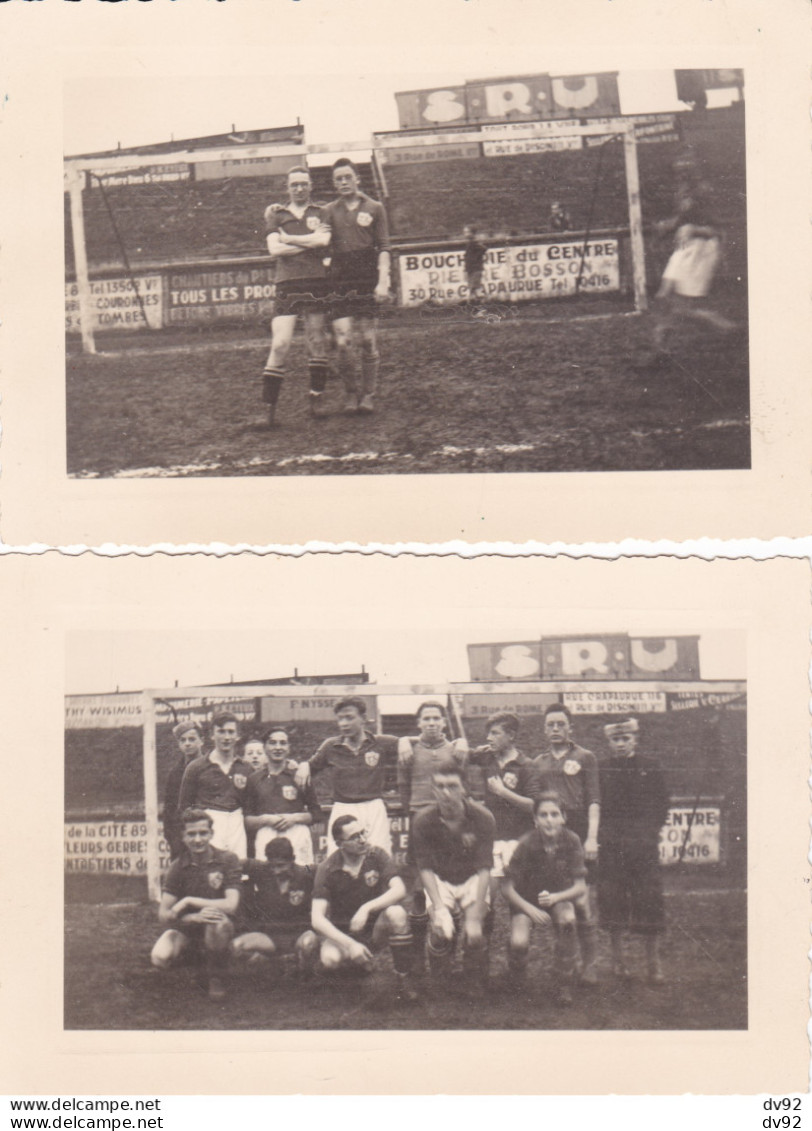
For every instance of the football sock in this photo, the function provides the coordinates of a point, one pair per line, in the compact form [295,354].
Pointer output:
[587,939]
[272,380]
[565,947]
[318,370]
[402,947]
[370,367]
[420,925]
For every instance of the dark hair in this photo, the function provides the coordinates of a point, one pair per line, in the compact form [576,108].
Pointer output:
[223,717]
[345,161]
[549,795]
[266,734]
[279,848]
[447,769]
[351,701]
[191,816]
[558,709]
[181,729]
[340,825]
[430,703]
[299,169]
[505,719]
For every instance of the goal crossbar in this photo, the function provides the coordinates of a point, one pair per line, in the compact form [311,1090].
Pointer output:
[75,169]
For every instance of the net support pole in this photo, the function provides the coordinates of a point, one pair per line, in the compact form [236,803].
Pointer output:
[635,219]
[75,180]
[151,796]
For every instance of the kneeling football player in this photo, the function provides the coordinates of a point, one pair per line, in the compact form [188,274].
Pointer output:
[544,878]
[277,909]
[201,893]
[358,906]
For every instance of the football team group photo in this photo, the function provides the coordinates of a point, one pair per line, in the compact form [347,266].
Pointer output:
[318,853]
[535,273]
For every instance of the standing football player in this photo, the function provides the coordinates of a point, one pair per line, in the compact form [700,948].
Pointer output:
[358,759]
[296,242]
[510,789]
[474,256]
[189,738]
[215,782]
[275,806]
[360,266]
[630,886]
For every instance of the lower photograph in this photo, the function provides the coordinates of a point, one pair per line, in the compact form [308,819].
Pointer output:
[503,821]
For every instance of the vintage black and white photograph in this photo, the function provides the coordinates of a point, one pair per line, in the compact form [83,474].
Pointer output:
[406,272]
[418,829]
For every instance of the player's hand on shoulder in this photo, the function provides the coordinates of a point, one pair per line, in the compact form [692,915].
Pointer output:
[302,775]
[405,749]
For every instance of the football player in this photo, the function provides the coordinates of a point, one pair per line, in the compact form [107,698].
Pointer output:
[418,758]
[546,874]
[201,893]
[216,783]
[453,847]
[358,906]
[276,806]
[275,919]
[572,771]
[296,241]
[189,738]
[358,759]
[360,266]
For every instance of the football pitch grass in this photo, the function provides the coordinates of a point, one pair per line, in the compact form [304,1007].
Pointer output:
[109,983]
[502,390]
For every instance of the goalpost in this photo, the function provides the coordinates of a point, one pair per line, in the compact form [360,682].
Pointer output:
[78,169]
[322,697]
[612,130]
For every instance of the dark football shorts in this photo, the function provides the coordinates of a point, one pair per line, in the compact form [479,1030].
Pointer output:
[301,296]
[353,279]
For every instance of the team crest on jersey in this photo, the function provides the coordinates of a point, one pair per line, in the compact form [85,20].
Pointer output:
[372,757]
[364,219]
[571,766]
[313,223]
[289,792]
[511,781]
[216,880]
[240,781]
[371,878]
[296,897]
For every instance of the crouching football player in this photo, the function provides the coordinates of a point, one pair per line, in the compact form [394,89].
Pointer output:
[201,893]
[277,907]
[546,874]
[453,847]
[358,906]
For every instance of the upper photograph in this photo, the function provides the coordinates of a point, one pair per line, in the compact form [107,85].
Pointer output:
[406,275]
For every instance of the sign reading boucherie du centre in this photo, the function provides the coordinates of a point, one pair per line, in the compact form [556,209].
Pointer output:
[512,274]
